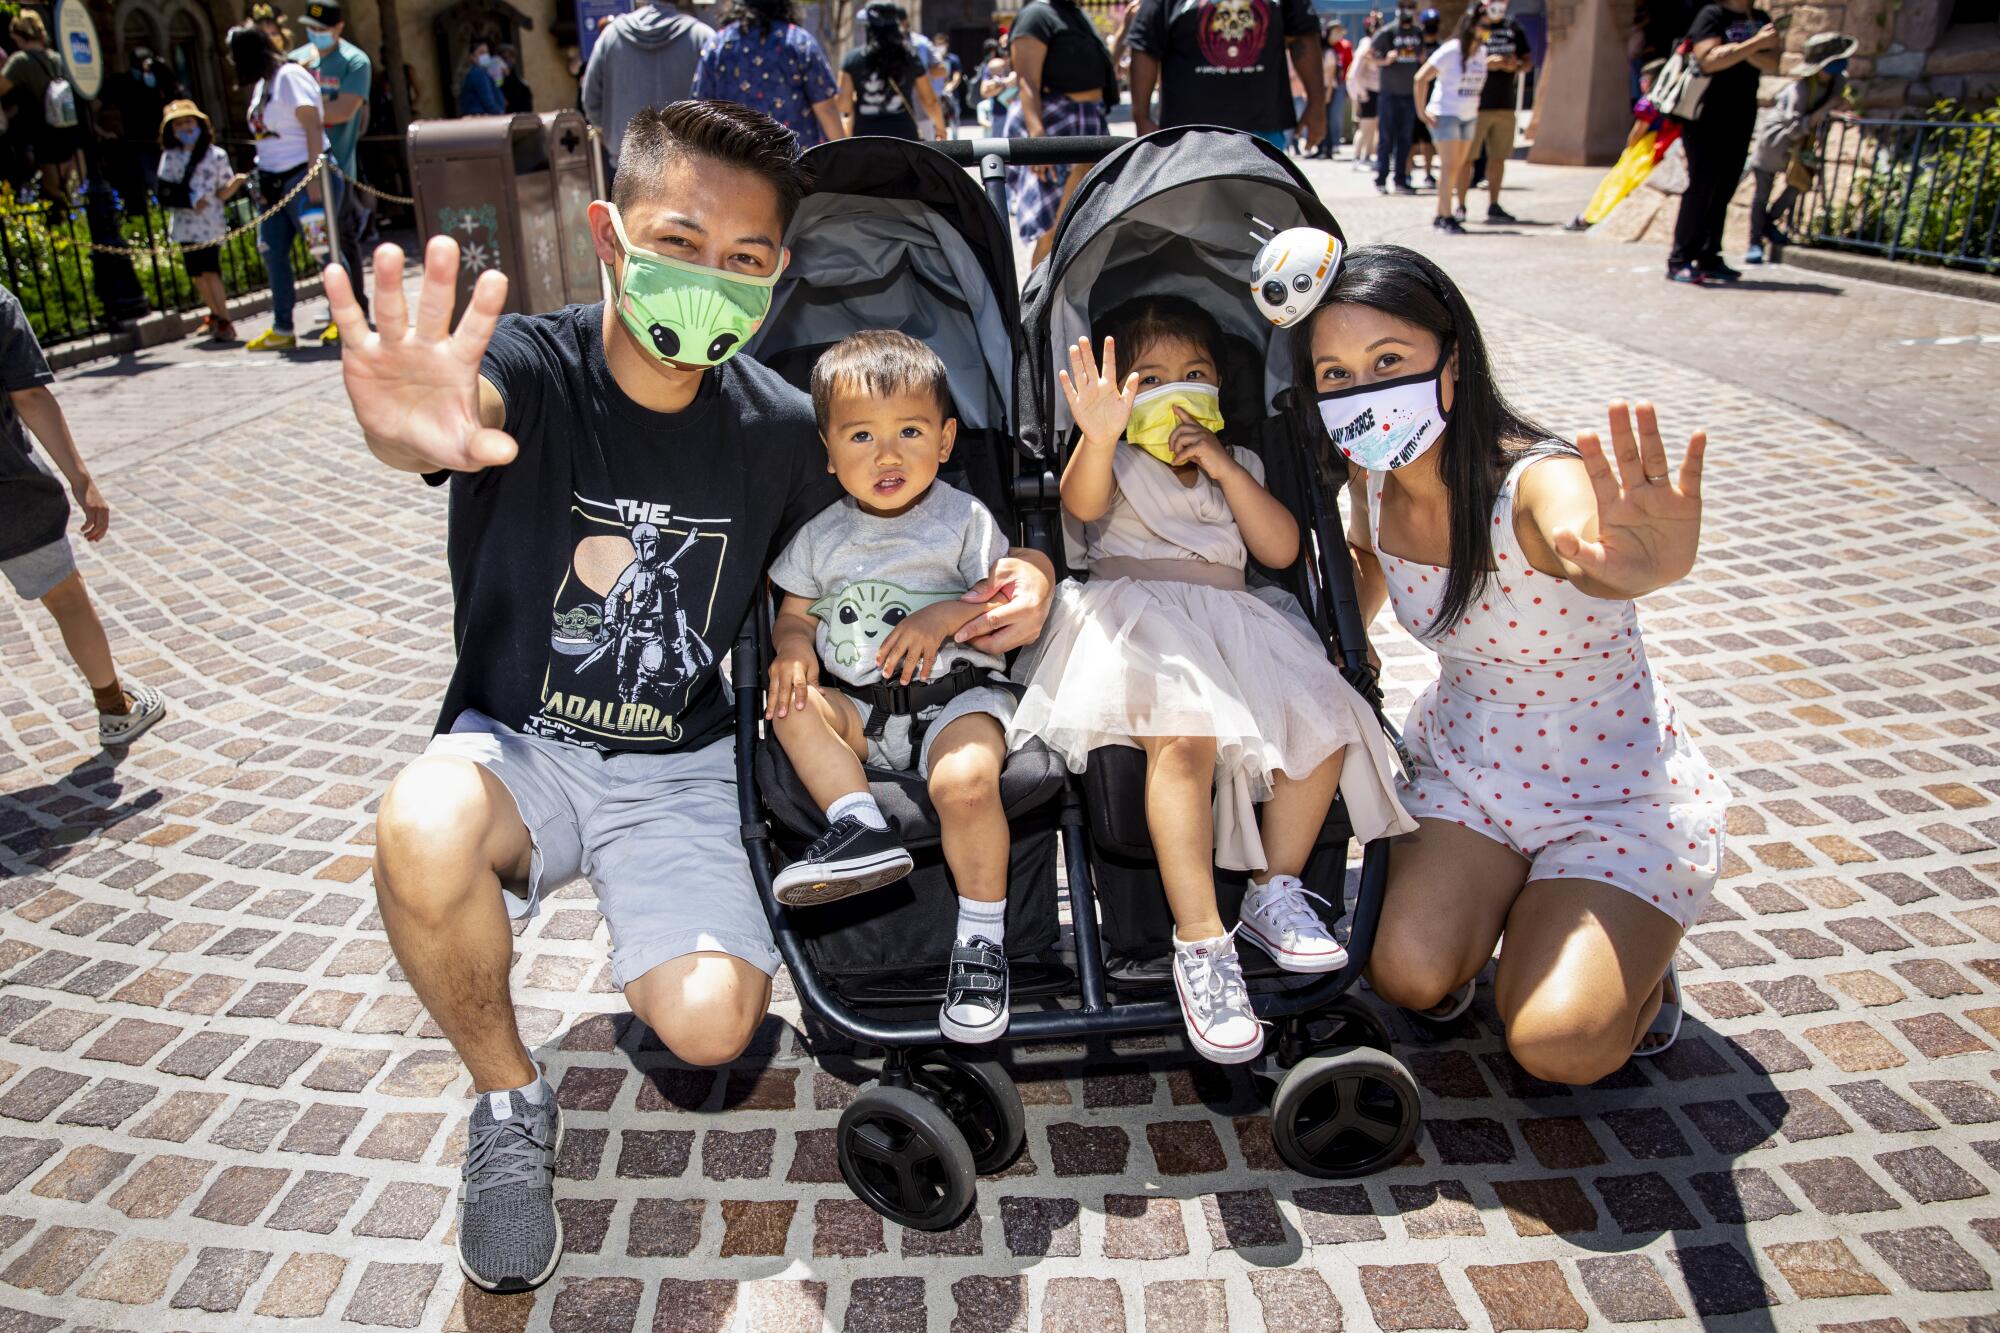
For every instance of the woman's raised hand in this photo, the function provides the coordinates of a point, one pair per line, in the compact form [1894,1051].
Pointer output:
[415,389]
[1098,403]
[1648,522]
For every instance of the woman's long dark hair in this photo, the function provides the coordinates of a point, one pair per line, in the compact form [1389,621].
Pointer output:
[888,54]
[1484,434]
[1467,23]
[761,13]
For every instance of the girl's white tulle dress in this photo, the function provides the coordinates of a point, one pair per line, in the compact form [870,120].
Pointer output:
[1167,639]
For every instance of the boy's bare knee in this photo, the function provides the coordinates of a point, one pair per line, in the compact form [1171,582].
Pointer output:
[967,780]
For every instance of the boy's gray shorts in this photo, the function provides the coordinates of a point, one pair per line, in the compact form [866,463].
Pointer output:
[657,836]
[37,573]
[892,748]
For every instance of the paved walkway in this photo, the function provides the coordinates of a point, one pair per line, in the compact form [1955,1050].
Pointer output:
[221,1108]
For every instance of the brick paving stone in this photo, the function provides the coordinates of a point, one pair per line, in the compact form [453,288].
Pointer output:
[1928,1259]
[176,1119]
[1185,1147]
[850,1229]
[885,1305]
[1855,1046]
[756,1227]
[1929,1176]
[1530,1295]
[1886,1112]
[1440,1208]
[136,1273]
[220,1280]
[405,1210]
[345,1069]
[1838,1185]
[967,1238]
[1088,1150]
[317,1202]
[665,1228]
[323,1130]
[1627,1289]
[240,1194]
[1082,1305]
[1138,1226]
[1962,1103]
[109,1103]
[1555,1206]
[1643,1203]
[784,1307]
[1561,1143]
[391,1295]
[160,1185]
[32,1099]
[302,1286]
[1823,1268]
[1296,1300]
[1721,1280]
[729,1155]
[596,1305]
[1336,1214]
[132,1041]
[989,1305]
[201,1054]
[1740,1196]
[57,1258]
[1409,1296]
[1478,1141]
[1195,1305]
[654,1154]
[694,1306]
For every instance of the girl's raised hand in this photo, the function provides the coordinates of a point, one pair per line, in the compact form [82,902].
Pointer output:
[1648,522]
[1097,402]
[1195,443]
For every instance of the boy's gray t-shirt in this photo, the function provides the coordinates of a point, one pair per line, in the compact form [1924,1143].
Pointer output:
[866,573]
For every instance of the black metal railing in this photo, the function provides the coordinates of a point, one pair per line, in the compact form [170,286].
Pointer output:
[1922,191]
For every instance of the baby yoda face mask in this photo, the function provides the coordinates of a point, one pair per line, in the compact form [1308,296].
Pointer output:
[1154,419]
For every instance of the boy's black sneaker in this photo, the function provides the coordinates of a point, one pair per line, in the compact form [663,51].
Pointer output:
[1495,213]
[1717,271]
[975,992]
[847,859]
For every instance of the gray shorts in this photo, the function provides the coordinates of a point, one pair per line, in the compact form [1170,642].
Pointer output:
[892,748]
[655,834]
[37,573]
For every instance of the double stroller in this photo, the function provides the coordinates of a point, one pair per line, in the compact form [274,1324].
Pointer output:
[898,235]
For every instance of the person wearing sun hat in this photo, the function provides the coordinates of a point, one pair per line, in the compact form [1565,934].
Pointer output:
[195,181]
[1783,139]
[345,76]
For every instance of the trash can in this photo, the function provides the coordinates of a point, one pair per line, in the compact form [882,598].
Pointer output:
[488,183]
[567,137]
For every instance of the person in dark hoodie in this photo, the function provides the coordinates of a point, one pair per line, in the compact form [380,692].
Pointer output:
[644,58]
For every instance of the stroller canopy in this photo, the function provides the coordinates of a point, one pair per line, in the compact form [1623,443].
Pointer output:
[1168,215]
[895,236]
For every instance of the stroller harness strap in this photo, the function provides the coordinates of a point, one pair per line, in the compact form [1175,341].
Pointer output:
[886,700]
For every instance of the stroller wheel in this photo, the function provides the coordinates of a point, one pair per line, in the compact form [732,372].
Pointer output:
[1347,1113]
[904,1158]
[981,1100]
[1348,1022]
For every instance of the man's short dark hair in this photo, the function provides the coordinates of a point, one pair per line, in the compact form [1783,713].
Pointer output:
[721,132]
[877,363]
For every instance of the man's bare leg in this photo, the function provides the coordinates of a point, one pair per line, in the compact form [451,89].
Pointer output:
[447,833]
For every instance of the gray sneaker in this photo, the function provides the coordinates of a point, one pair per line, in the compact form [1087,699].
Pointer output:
[509,1235]
[148,706]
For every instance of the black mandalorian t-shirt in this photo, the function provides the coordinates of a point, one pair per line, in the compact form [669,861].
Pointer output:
[601,577]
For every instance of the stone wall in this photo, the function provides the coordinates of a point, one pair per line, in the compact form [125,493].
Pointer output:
[1910,55]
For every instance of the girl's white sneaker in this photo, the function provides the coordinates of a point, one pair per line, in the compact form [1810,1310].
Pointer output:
[1216,1006]
[1278,919]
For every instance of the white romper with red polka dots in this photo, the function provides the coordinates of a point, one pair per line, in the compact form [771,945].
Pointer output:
[1547,730]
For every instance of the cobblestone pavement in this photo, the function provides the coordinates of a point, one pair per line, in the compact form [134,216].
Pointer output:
[221,1108]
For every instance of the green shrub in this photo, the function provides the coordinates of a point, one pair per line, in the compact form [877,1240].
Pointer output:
[1936,190]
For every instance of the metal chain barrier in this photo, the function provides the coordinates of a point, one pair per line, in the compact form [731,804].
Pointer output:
[170,248]
[361,185]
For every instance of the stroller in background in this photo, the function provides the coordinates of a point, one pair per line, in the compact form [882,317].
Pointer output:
[897,235]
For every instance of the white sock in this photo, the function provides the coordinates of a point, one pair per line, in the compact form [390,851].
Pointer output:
[502,1106]
[860,805]
[985,919]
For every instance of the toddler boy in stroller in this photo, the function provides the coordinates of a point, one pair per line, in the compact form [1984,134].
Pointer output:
[873,592]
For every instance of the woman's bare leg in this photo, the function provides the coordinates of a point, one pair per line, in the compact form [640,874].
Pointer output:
[1449,894]
[1579,979]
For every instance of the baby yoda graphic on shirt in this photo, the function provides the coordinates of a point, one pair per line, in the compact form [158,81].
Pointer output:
[867,573]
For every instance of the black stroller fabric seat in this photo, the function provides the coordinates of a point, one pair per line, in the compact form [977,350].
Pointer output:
[1032,777]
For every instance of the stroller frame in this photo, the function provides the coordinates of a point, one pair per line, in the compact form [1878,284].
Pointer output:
[952,1109]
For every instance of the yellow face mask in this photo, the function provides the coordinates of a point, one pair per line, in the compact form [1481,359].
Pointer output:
[1154,421]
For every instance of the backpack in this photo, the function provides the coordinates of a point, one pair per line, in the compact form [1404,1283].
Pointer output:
[58,99]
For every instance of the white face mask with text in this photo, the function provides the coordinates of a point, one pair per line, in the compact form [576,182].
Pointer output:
[1388,424]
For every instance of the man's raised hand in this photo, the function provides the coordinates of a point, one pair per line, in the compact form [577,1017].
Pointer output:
[415,388]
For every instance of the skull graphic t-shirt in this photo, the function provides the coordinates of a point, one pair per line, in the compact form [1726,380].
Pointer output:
[1223,62]
[602,576]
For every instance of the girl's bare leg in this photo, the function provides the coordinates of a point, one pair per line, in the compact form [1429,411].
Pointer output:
[1291,820]
[1180,775]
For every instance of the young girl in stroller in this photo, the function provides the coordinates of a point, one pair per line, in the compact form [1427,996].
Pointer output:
[1169,649]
